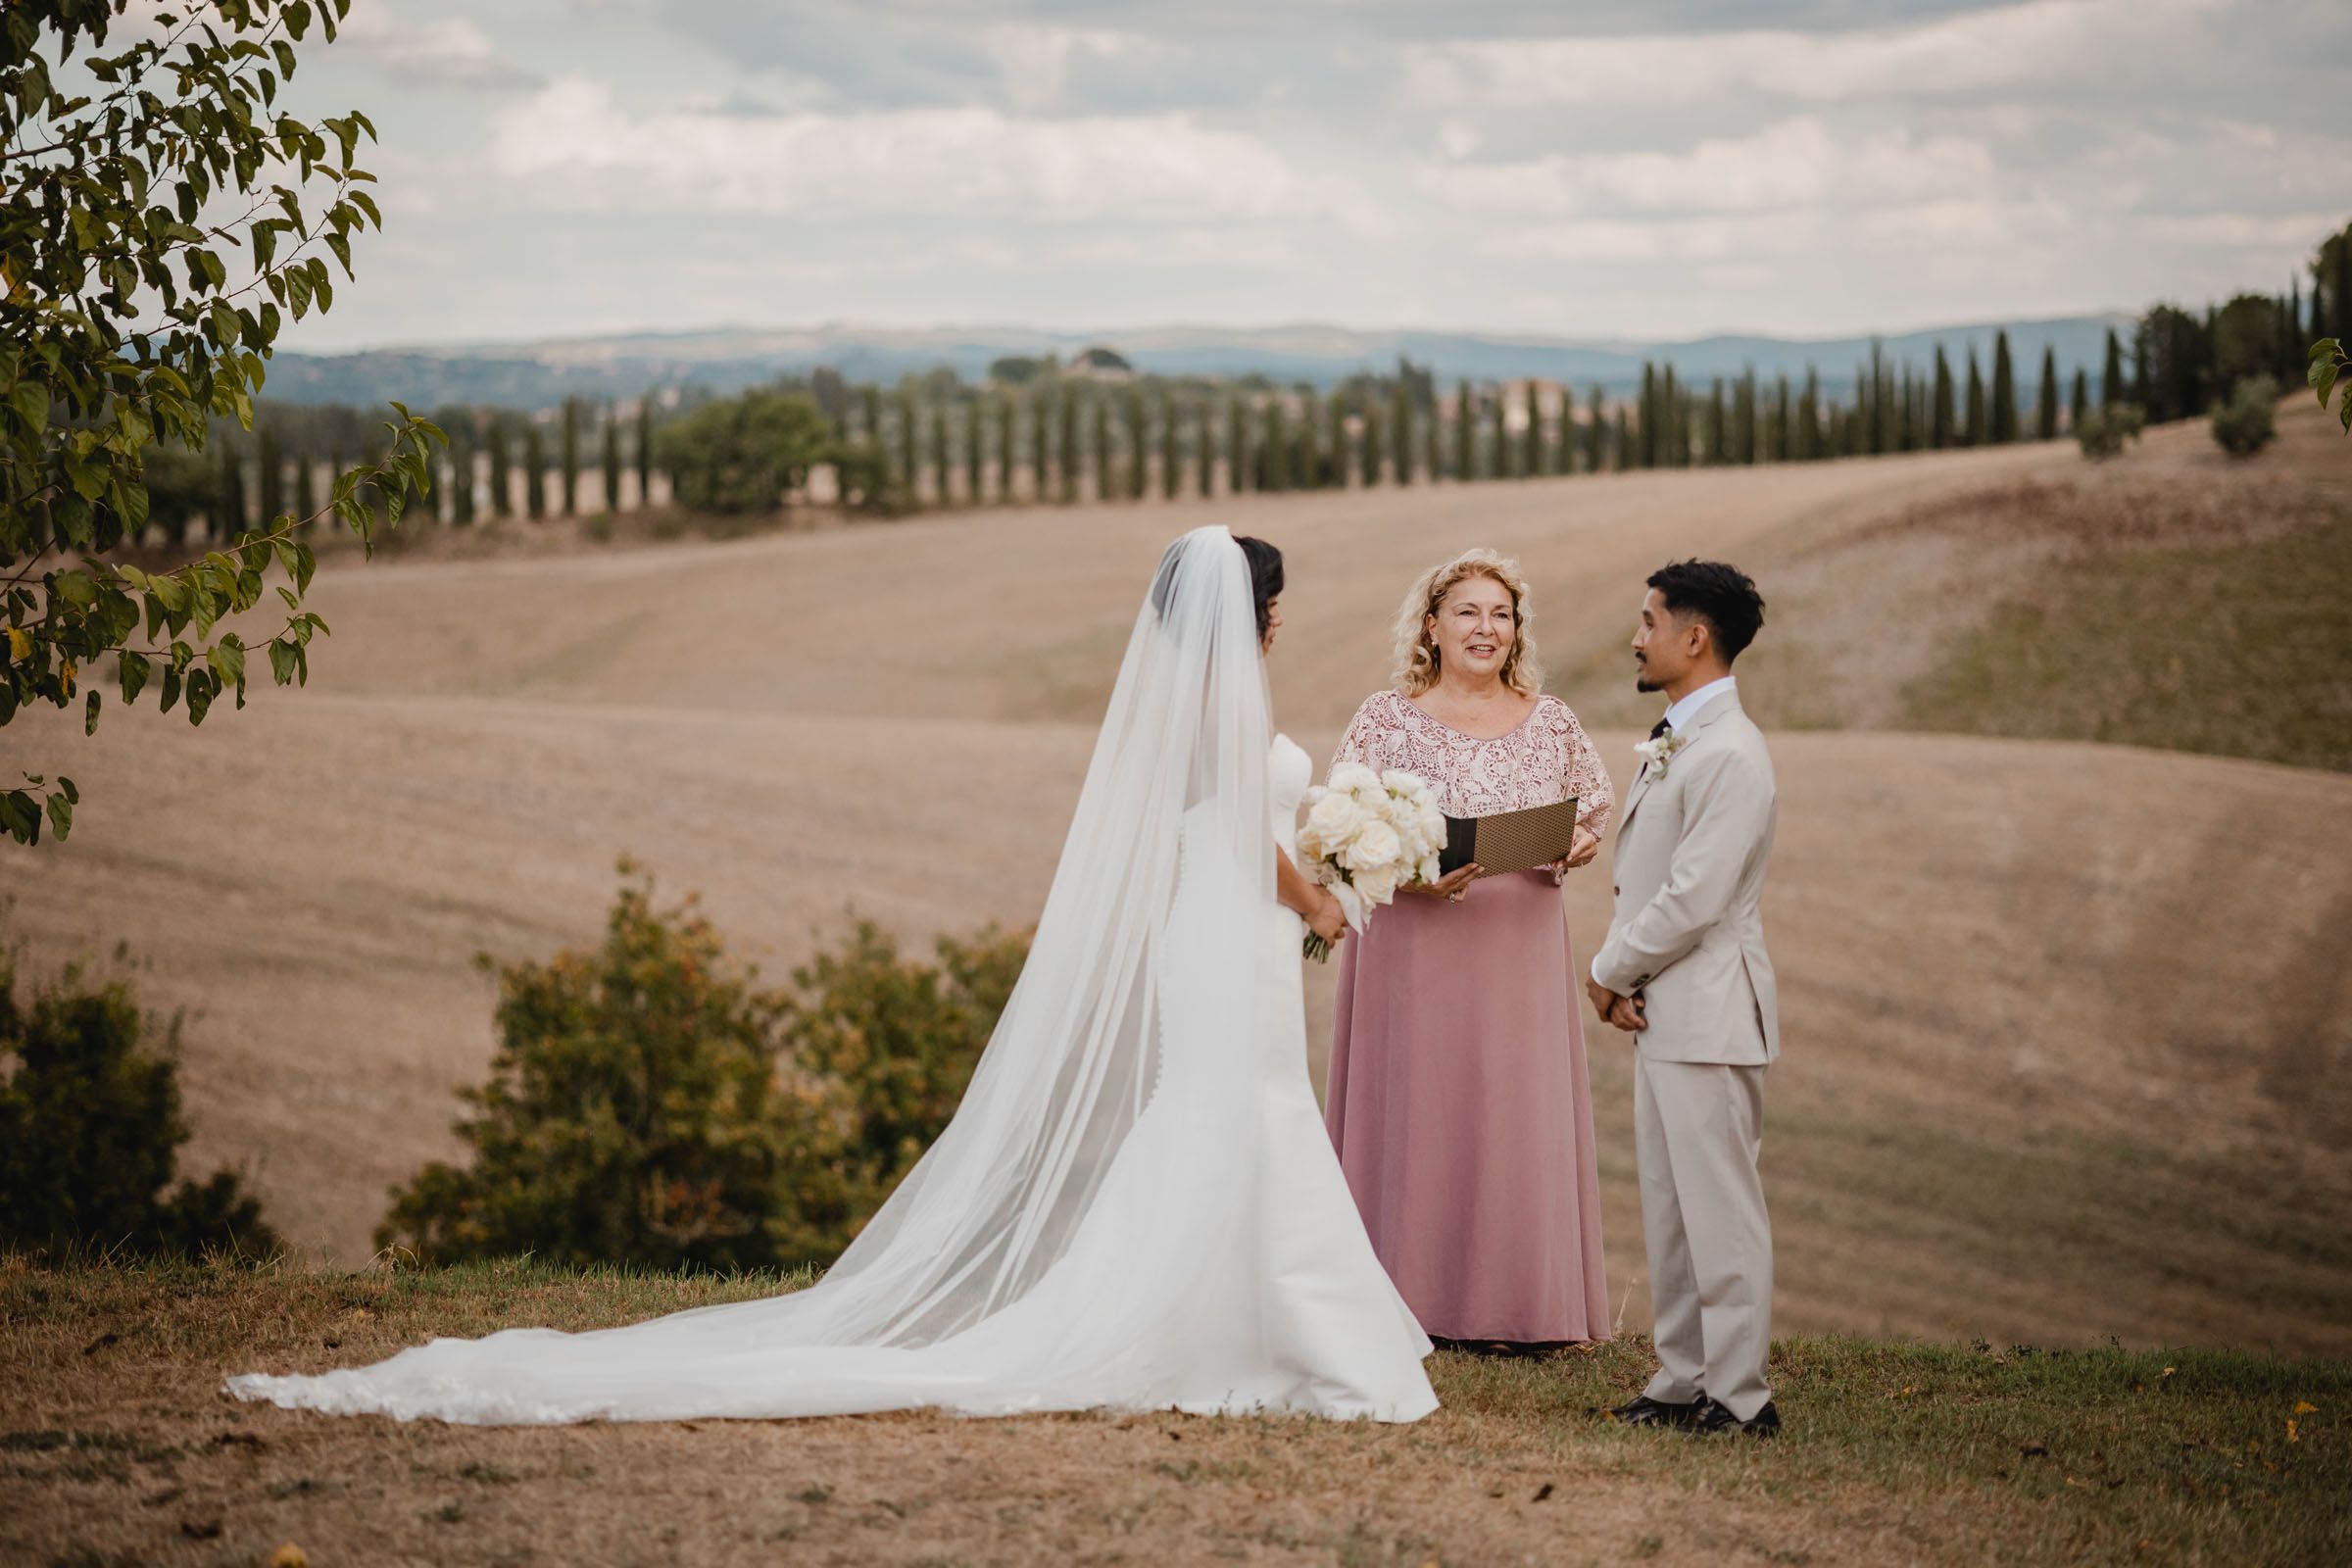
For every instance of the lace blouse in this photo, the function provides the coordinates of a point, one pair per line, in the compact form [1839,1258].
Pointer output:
[1547,759]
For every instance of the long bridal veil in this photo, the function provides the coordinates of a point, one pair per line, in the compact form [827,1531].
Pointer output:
[1060,1245]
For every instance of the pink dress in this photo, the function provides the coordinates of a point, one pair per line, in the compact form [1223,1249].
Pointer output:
[1459,1098]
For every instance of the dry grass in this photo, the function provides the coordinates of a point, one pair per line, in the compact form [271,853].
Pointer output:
[119,1448]
[2010,969]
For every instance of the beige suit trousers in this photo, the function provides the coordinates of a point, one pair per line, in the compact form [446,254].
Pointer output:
[1697,1127]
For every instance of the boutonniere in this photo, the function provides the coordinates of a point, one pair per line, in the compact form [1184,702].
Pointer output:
[1656,754]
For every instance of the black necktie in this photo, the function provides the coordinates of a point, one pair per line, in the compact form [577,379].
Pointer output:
[1658,729]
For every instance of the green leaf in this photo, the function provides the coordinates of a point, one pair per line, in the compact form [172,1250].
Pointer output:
[61,810]
[30,400]
[171,691]
[134,669]
[89,713]
[282,657]
[2322,378]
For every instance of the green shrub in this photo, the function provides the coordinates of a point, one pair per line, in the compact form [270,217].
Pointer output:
[2102,432]
[741,453]
[2250,420]
[649,1104]
[90,1131]
[869,482]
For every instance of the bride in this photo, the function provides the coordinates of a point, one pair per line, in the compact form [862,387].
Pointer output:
[1136,1204]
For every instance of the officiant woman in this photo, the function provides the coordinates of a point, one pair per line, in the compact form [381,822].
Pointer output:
[1458,1098]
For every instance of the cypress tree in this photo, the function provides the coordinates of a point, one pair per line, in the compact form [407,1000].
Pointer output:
[611,458]
[645,450]
[1068,445]
[1009,446]
[1400,430]
[228,495]
[1137,452]
[571,457]
[1236,444]
[273,487]
[534,468]
[2082,402]
[1204,431]
[502,473]
[870,404]
[2341,291]
[1368,453]
[910,444]
[1101,408]
[2045,411]
[1784,430]
[305,487]
[975,448]
[1975,432]
[1503,441]
[461,471]
[1007,410]
[1335,472]
[1171,473]
[1623,443]
[1719,429]
[1465,434]
[1276,447]
[940,464]
[1647,434]
[1306,462]
[1743,418]
[2111,377]
[1531,440]
[1906,427]
[1808,418]
[2003,408]
[1941,420]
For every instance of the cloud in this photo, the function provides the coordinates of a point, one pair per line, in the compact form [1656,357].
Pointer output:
[450,52]
[581,148]
[1796,162]
[2044,42]
[1035,61]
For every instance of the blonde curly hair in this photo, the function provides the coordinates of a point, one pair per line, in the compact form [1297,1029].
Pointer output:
[1416,654]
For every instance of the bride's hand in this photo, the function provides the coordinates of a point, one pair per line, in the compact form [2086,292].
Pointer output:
[1328,921]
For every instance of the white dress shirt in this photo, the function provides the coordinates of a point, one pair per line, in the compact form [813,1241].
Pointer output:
[1686,708]
[1680,711]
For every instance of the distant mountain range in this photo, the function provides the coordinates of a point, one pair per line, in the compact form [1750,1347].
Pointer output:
[623,367]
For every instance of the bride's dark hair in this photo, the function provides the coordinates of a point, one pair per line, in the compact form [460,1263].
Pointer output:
[1265,578]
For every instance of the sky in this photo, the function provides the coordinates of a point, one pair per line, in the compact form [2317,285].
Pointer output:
[553,167]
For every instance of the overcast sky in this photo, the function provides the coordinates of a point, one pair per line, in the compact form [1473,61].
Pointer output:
[556,166]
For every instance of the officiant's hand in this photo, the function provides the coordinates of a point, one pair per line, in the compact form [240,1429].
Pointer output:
[1581,850]
[1446,886]
[1631,1014]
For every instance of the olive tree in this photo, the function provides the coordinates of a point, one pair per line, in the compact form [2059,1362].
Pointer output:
[160,221]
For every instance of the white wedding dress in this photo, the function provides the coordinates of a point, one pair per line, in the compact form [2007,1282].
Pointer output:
[1136,1204]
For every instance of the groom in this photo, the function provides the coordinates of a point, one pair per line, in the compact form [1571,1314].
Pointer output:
[1685,971]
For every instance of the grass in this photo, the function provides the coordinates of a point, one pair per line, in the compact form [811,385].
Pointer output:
[2238,649]
[123,1449]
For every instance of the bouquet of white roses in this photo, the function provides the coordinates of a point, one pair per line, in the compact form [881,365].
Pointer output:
[1366,835]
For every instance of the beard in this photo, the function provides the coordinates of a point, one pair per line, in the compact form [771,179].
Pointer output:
[1642,683]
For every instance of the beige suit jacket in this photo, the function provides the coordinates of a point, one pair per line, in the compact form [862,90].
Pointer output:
[1688,932]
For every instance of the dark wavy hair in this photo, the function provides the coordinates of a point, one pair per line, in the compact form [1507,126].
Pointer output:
[1265,576]
[1722,596]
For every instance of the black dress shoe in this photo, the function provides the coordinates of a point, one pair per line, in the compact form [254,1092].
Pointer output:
[1644,1412]
[1713,1417]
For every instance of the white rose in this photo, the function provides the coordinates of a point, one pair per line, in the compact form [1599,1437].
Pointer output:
[1378,885]
[1427,871]
[1331,822]
[1353,777]
[1374,846]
